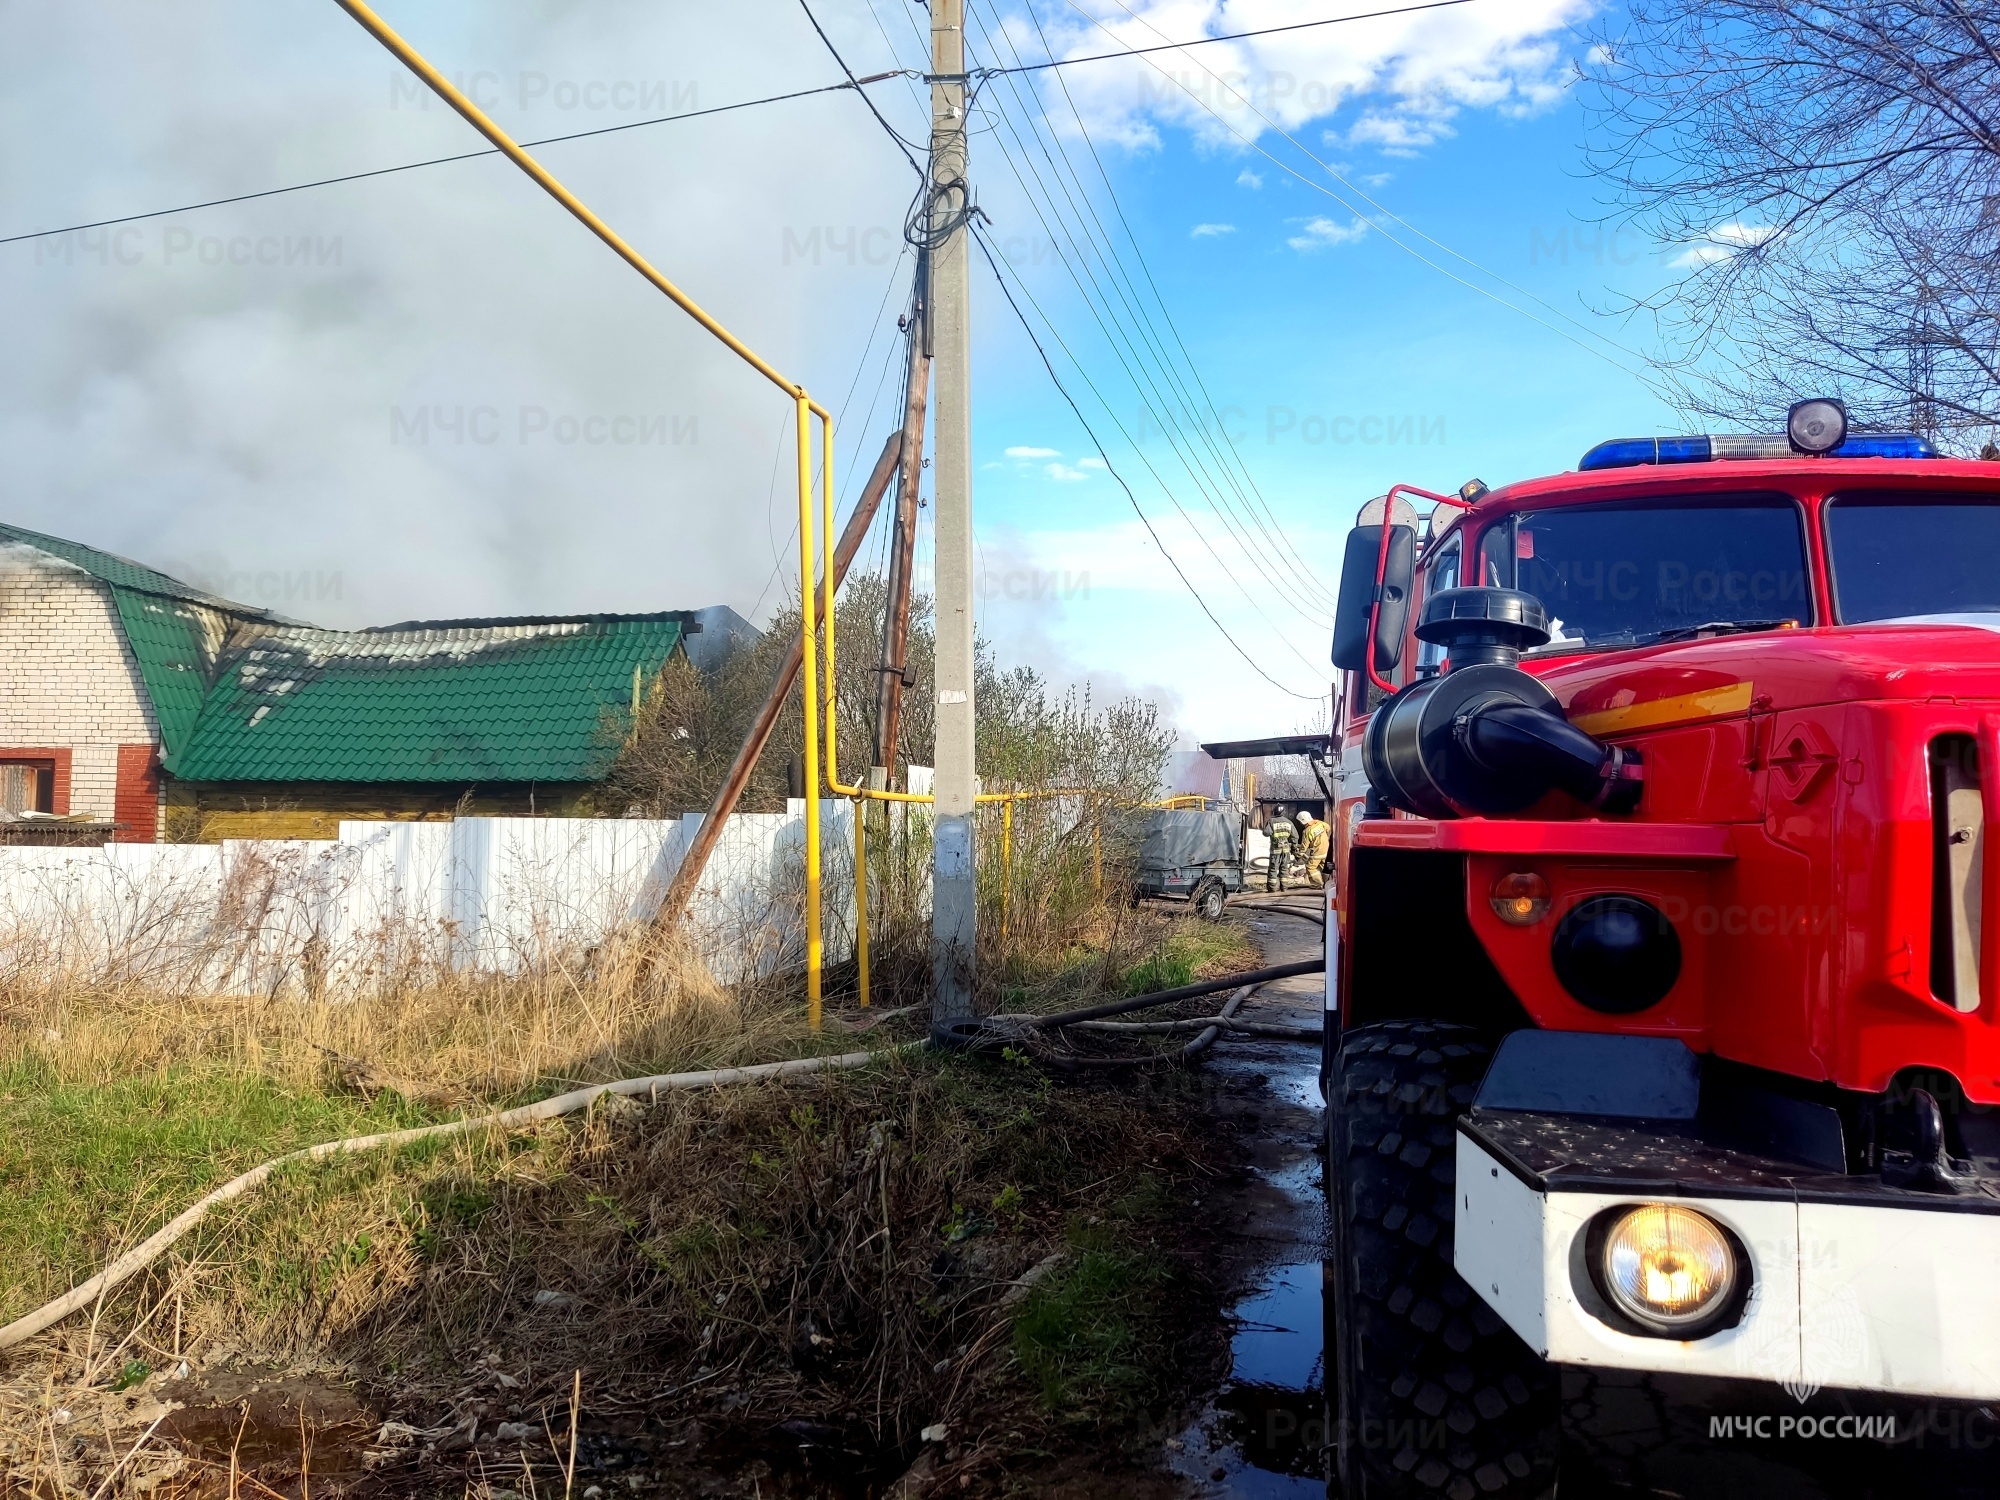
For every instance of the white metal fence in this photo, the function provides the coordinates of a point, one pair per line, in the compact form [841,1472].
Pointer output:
[496,895]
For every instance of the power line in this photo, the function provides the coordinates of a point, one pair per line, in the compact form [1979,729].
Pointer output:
[1117,207]
[986,250]
[1135,366]
[1213,487]
[1234,36]
[917,99]
[1140,378]
[438,161]
[693,114]
[880,119]
[779,554]
[1227,479]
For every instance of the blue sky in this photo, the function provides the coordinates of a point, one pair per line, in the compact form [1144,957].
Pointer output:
[304,429]
[1338,361]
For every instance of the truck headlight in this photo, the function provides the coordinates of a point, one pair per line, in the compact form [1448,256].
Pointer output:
[1616,954]
[1669,1269]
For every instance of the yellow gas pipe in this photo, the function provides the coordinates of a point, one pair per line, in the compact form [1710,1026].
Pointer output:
[807,409]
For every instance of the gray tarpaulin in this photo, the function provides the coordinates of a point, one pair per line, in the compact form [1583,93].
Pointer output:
[1187,837]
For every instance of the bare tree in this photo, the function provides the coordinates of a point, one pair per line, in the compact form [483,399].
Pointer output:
[1830,176]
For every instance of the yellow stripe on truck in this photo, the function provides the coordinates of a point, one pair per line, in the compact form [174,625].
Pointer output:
[1709,703]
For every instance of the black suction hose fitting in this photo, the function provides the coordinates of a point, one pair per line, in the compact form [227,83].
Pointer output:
[1512,739]
[1487,737]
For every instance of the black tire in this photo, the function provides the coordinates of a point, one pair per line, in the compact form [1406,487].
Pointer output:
[1209,898]
[1434,1395]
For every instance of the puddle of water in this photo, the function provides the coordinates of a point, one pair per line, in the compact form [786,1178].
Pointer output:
[1292,1077]
[1263,1436]
[1278,1335]
[1303,1180]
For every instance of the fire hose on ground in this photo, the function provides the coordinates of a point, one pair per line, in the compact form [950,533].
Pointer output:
[145,1253]
[990,1033]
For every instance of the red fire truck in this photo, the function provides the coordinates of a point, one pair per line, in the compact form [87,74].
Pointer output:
[1663,978]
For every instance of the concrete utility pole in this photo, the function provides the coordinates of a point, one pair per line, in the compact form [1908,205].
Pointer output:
[952,886]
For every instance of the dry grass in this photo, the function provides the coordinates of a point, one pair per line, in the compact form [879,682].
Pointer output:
[830,1253]
[827,1259]
[438,1031]
[120,1104]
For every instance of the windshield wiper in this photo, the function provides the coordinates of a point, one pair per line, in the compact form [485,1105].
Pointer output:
[1716,627]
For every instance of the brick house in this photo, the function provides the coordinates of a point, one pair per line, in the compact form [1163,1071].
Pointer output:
[140,705]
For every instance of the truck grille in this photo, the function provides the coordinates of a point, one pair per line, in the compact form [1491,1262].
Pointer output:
[1958,837]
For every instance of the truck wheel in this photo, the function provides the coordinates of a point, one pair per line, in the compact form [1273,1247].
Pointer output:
[1209,898]
[1434,1395]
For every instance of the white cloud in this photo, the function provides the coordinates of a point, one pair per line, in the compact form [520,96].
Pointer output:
[1210,231]
[1409,74]
[1090,463]
[1034,453]
[1723,241]
[1400,134]
[1098,592]
[1249,179]
[1323,233]
[1064,474]
[1379,179]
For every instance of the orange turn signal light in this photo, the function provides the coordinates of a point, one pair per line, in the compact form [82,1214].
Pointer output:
[1520,899]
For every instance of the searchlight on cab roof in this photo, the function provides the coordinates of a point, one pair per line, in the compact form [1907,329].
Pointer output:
[1815,428]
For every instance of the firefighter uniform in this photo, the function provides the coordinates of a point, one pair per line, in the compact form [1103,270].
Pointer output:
[1314,839]
[1283,838]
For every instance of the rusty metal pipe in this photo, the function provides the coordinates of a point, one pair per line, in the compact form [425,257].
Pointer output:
[903,551]
[681,888]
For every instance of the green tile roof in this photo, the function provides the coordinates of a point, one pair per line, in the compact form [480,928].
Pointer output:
[173,628]
[122,572]
[444,701]
[242,694]
[174,647]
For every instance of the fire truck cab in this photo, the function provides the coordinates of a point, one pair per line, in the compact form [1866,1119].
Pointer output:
[1663,969]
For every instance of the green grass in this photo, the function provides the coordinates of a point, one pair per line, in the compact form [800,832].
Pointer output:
[90,1168]
[1088,1338]
[1187,951]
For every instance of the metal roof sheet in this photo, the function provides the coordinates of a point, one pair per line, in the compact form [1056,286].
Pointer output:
[122,572]
[520,701]
[242,694]
[174,629]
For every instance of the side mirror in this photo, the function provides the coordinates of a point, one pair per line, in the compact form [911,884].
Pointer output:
[1358,594]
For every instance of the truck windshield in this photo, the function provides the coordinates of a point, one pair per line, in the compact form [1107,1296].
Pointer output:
[1628,573]
[1900,555]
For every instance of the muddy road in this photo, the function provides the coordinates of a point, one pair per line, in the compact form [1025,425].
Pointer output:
[1261,1433]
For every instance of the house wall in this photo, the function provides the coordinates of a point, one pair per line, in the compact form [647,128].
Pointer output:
[69,683]
[209,812]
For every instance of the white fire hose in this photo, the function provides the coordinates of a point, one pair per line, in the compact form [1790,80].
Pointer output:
[142,1255]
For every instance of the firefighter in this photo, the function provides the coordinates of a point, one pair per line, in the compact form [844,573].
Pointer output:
[1314,839]
[1283,837]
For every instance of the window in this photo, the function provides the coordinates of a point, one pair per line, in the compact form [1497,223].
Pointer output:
[1440,573]
[27,786]
[1632,572]
[1911,554]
